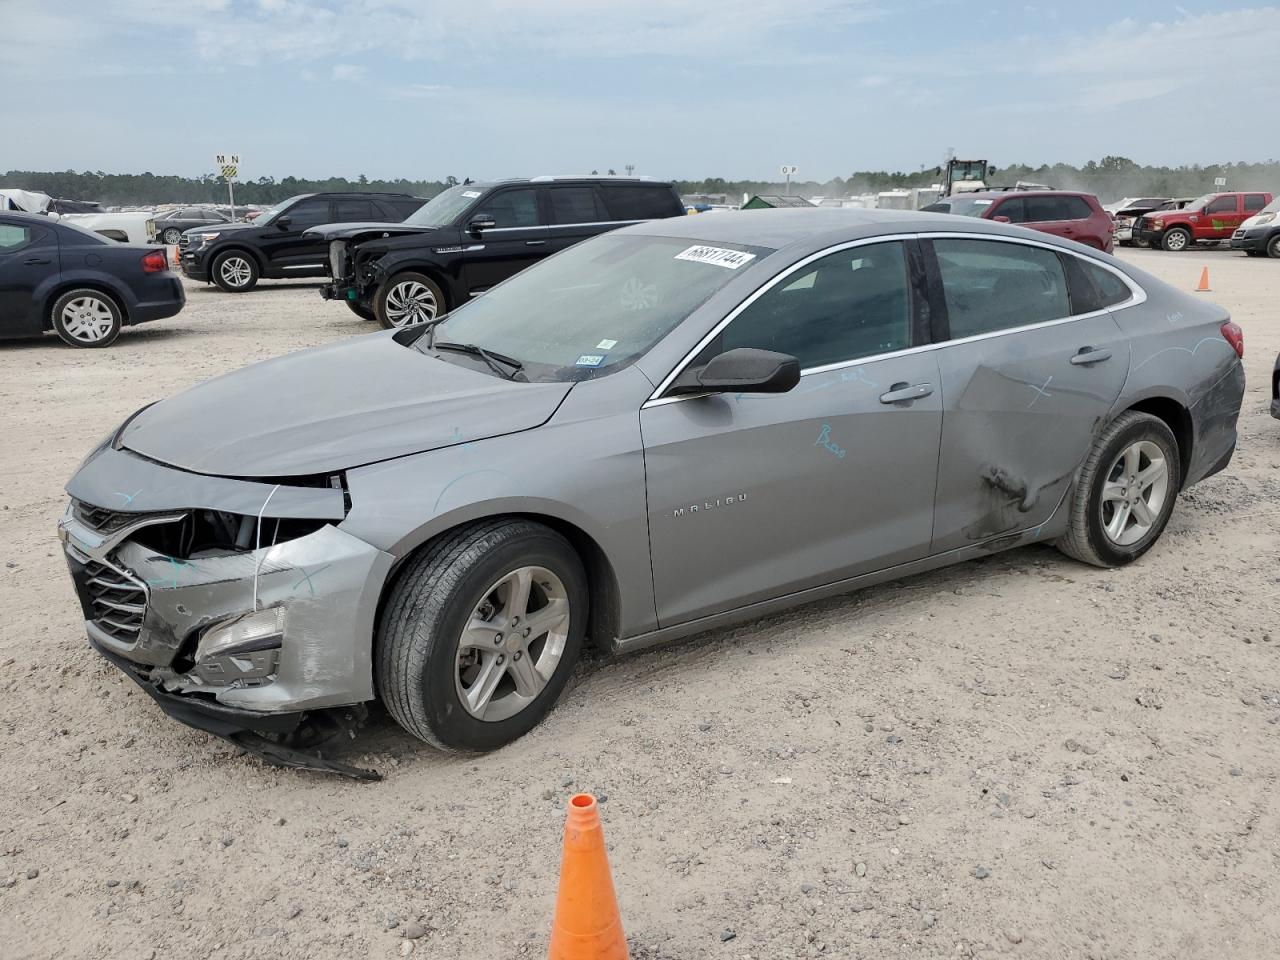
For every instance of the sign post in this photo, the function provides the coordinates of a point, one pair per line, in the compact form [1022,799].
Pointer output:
[788,169]
[1219,181]
[229,164]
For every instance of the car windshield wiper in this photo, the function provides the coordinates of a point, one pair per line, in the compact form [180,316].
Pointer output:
[489,357]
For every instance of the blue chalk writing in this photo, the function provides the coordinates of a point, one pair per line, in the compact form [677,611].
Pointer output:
[824,440]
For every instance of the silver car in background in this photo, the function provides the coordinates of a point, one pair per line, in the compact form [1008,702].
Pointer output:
[662,430]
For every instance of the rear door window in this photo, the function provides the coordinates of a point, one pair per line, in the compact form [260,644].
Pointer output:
[1253,202]
[639,202]
[13,238]
[991,285]
[576,205]
[512,208]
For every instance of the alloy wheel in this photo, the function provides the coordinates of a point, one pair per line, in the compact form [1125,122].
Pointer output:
[235,271]
[88,319]
[1176,241]
[171,236]
[512,643]
[1134,493]
[409,302]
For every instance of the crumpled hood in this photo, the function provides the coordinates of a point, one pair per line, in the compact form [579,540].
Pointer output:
[335,407]
[372,228]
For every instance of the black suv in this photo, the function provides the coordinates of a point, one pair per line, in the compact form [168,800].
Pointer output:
[236,255]
[475,235]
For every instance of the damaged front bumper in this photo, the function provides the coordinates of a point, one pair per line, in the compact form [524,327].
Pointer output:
[253,637]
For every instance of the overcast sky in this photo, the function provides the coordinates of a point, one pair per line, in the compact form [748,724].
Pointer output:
[487,88]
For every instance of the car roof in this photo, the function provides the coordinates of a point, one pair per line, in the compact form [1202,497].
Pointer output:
[22,215]
[820,227]
[997,194]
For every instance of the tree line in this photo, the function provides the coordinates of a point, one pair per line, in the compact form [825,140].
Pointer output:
[1110,178]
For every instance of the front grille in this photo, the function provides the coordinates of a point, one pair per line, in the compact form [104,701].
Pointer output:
[105,520]
[184,241]
[117,600]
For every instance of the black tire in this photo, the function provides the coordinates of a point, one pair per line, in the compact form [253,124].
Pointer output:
[417,654]
[1177,239]
[1085,539]
[1273,247]
[171,236]
[85,317]
[385,299]
[245,266]
[360,310]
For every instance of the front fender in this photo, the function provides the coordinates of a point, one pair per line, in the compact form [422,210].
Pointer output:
[584,468]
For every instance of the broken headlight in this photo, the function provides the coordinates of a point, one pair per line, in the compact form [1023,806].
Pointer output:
[250,633]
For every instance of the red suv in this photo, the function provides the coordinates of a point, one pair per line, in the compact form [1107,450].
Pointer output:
[1214,216]
[1076,216]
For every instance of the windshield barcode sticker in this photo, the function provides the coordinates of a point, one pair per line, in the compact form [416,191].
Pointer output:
[471,194]
[718,256]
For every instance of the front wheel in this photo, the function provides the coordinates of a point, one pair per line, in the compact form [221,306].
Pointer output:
[1125,492]
[360,310]
[1176,240]
[87,318]
[1273,248]
[408,298]
[480,634]
[171,236]
[235,272]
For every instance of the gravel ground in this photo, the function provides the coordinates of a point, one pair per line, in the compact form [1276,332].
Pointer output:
[1017,756]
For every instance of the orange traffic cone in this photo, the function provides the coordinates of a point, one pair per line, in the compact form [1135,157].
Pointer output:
[1204,281]
[587,924]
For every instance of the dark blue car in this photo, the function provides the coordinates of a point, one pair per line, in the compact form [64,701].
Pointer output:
[55,276]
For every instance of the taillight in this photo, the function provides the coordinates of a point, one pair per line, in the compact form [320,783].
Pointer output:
[155,261]
[1235,336]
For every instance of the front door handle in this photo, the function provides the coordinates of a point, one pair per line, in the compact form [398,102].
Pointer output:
[903,391]
[32,261]
[1087,355]
[534,243]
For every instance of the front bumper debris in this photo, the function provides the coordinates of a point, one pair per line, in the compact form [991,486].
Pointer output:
[278,739]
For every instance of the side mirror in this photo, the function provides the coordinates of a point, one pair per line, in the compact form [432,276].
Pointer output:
[283,222]
[744,370]
[1001,219]
[481,223]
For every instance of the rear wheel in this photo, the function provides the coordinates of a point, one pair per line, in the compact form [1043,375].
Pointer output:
[480,634]
[1125,492]
[235,272]
[408,298]
[171,236]
[87,318]
[1176,240]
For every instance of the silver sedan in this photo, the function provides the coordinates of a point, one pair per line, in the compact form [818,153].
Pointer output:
[662,430]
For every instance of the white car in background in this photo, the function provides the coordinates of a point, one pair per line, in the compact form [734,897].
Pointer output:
[138,227]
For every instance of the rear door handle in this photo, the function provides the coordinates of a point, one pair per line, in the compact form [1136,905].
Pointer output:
[1087,355]
[902,391]
[534,243]
[32,261]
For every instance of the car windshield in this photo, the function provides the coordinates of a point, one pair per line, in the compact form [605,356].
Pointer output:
[964,206]
[1272,207]
[444,207]
[596,307]
[1199,202]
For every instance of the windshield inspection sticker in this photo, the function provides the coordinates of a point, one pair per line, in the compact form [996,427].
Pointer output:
[590,360]
[471,194]
[606,344]
[718,256]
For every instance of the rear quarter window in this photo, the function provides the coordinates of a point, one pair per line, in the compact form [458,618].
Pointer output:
[640,202]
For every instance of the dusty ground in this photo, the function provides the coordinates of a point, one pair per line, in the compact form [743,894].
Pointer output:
[825,782]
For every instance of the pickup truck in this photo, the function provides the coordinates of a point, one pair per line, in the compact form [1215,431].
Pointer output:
[1211,218]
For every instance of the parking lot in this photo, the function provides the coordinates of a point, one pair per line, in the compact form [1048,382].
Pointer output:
[1017,756]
